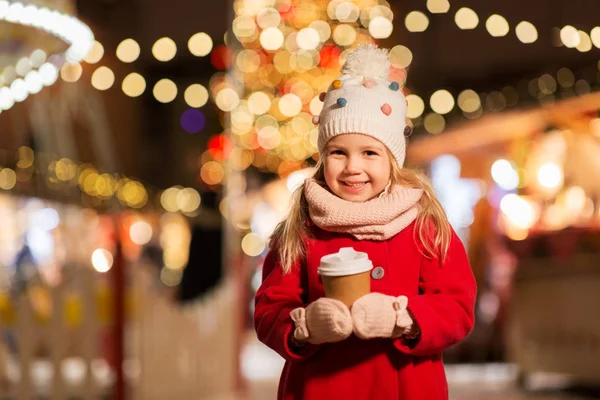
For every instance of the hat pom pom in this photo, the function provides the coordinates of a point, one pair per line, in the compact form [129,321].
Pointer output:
[368,61]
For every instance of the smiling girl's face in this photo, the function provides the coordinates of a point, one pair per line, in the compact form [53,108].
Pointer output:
[357,167]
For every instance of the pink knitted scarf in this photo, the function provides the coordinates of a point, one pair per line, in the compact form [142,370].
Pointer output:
[377,219]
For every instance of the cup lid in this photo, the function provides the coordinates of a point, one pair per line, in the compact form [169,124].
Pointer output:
[346,261]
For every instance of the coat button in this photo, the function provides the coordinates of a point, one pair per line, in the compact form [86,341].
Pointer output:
[377,273]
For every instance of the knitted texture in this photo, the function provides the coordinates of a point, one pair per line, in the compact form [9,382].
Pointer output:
[364,101]
[323,321]
[377,315]
[377,219]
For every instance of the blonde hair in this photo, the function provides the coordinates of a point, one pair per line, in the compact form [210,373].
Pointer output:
[288,238]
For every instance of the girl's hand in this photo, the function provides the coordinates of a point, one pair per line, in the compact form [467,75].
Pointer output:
[377,315]
[323,321]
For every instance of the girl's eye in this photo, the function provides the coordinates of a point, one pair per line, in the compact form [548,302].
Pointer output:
[370,153]
[336,152]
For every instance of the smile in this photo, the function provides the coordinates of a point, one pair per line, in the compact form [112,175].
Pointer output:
[354,185]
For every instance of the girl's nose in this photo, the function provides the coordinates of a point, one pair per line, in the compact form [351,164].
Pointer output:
[352,165]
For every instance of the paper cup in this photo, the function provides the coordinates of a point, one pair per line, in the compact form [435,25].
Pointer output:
[346,275]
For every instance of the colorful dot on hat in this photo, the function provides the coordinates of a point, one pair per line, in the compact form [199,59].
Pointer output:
[315,119]
[386,108]
[368,84]
[322,96]
[342,102]
[394,86]
[337,84]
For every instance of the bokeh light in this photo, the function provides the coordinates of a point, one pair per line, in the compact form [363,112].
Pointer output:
[438,6]
[168,199]
[212,173]
[164,49]
[308,39]
[102,260]
[65,169]
[171,277]
[71,72]
[468,101]
[526,32]
[585,42]
[227,99]
[346,11]
[259,103]
[415,106]
[192,120]
[595,36]
[103,78]
[48,73]
[416,21]
[519,211]
[434,123]
[23,66]
[253,245]
[133,85]
[550,176]
[221,57]
[497,25]
[34,82]
[219,147]
[268,17]
[400,56]
[165,90]
[8,179]
[188,200]
[441,101]
[196,95]
[505,174]
[466,18]
[380,27]
[322,28]
[38,58]
[290,105]
[200,44]
[140,232]
[95,54]
[344,35]
[570,36]
[9,74]
[271,39]
[565,77]
[19,90]
[247,61]
[128,51]
[26,157]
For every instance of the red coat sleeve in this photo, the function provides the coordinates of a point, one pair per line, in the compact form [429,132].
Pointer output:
[444,307]
[277,296]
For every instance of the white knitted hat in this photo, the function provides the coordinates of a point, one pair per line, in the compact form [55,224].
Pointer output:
[363,101]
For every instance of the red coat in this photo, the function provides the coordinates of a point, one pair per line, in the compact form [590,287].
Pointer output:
[440,297]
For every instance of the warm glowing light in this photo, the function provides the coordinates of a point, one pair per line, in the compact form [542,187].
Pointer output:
[466,18]
[165,90]
[497,25]
[103,78]
[140,232]
[128,51]
[133,85]
[102,260]
[442,102]
[505,174]
[164,49]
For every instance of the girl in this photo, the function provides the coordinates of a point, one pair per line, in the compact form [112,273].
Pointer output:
[388,345]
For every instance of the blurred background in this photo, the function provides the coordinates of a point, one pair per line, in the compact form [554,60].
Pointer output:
[149,148]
